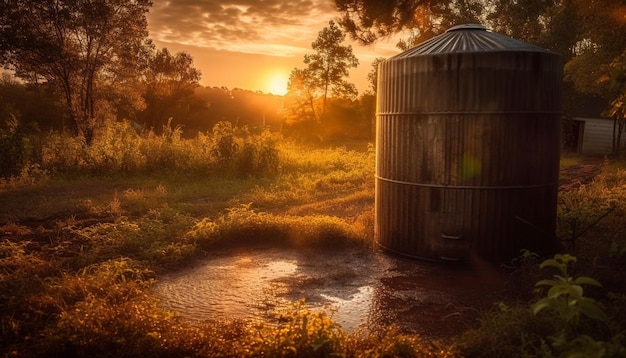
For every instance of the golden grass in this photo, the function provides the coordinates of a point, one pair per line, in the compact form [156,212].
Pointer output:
[79,248]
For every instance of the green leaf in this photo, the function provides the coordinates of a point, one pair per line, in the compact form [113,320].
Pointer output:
[565,258]
[584,280]
[574,291]
[547,283]
[543,303]
[551,263]
[591,309]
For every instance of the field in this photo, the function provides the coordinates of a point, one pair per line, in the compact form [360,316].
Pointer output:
[85,230]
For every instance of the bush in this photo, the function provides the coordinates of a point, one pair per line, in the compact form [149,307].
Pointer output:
[118,148]
[242,225]
[224,146]
[259,155]
[16,151]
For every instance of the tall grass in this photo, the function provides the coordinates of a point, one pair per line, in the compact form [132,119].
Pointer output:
[119,148]
[83,240]
[86,228]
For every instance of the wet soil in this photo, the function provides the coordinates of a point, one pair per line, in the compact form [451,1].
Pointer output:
[358,288]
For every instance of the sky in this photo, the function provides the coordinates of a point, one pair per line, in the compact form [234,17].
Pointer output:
[252,44]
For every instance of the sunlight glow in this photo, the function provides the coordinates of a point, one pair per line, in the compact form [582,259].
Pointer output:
[277,84]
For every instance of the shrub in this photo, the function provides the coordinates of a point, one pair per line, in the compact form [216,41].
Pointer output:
[224,146]
[242,225]
[13,153]
[116,148]
[303,333]
[62,152]
[258,155]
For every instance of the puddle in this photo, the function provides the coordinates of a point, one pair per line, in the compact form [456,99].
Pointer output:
[356,287]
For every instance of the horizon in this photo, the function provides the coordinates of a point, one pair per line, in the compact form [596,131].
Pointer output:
[229,50]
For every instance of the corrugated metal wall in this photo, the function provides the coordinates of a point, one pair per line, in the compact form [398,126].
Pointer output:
[598,136]
[468,149]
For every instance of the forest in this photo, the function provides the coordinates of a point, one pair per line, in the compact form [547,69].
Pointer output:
[117,168]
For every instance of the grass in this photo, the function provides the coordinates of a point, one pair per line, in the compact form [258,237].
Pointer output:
[80,248]
[80,245]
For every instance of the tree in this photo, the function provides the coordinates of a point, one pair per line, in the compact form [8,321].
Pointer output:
[591,35]
[300,101]
[600,42]
[368,20]
[324,76]
[170,81]
[372,76]
[74,45]
[616,77]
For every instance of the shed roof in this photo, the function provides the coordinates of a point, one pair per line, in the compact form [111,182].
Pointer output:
[468,38]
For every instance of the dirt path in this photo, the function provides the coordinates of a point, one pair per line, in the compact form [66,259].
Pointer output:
[583,173]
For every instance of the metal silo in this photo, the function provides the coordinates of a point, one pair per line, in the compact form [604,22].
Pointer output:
[468,144]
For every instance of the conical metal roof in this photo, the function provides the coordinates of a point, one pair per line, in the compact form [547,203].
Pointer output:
[468,38]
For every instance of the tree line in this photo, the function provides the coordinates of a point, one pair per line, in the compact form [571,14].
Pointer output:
[85,62]
[589,34]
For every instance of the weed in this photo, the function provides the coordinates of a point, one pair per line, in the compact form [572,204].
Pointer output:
[565,294]
[224,145]
[243,225]
[393,343]
[303,333]
[565,298]
[77,267]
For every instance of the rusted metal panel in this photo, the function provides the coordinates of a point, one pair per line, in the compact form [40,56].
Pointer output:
[468,147]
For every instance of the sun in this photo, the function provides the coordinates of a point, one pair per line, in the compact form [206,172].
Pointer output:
[277,84]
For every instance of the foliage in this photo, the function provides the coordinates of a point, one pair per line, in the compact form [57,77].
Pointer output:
[616,77]
[259,154]
[244,225]
[13,149]
[35,106]
[323,78]
[597,49]
[78,255]
[255,110]
[565,297]
[591,36]
[587,211]
[224,145]
[372,76]
[579,210]
[169,86]
[391,342]
[118,148]
[330,63]
[565,294]
[319,181]
[90,39]
[115,148]
[368,20]
[563,323]
[302,103]
[156,237]
[303,334]
[506,330]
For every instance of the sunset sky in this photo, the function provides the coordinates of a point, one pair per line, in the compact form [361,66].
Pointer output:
[252,44]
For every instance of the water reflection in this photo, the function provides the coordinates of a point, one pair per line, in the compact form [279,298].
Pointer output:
[358,288]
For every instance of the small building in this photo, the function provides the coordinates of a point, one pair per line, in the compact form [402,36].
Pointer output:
[595,136]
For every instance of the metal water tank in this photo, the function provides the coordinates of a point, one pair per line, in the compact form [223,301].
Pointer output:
[467,148]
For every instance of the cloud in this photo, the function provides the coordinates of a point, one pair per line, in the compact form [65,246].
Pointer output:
[275,27]
[236,42]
